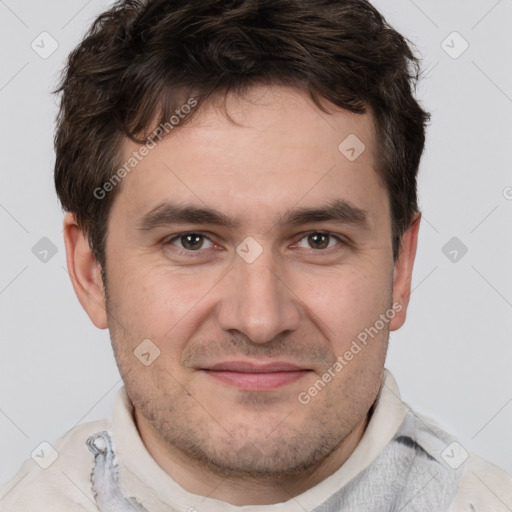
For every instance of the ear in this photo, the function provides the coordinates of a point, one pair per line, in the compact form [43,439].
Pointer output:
[85,272]
[403,273]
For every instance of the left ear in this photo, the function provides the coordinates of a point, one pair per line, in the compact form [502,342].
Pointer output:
[403,273]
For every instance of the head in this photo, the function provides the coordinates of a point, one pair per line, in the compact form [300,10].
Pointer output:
[240,182]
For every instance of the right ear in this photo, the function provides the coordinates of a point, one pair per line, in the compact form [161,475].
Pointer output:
[85,272]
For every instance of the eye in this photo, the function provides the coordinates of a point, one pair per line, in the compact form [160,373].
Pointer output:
[191,241]
[318,240]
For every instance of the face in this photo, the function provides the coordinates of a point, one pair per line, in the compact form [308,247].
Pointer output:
[257,259]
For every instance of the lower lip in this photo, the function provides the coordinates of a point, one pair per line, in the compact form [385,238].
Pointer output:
[258,381]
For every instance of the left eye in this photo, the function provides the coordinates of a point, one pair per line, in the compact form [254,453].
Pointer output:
[191,241]
[318,240]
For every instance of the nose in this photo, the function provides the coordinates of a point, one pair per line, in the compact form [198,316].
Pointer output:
[257,301]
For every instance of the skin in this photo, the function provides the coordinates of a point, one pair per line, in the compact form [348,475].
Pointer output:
[300,301]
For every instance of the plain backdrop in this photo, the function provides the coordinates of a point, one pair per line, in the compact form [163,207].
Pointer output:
[452,359]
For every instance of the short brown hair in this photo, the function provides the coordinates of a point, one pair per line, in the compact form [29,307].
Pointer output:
[141,58]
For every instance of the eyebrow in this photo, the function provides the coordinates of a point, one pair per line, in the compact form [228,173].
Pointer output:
[340,211]
[169,213]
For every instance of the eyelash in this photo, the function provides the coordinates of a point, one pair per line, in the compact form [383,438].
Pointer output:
[191,253]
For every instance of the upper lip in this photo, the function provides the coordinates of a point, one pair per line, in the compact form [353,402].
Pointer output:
[249,367]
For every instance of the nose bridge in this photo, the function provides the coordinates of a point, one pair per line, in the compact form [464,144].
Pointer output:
[257,302]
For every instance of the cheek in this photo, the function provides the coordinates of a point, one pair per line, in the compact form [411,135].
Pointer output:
[347,301]
[158,300]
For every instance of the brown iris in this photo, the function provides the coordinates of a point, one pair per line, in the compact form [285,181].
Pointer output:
[192,241]
[318,240]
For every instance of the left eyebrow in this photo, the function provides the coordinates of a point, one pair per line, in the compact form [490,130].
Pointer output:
[340,211]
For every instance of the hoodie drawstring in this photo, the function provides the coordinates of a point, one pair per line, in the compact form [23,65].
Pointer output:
[105,477]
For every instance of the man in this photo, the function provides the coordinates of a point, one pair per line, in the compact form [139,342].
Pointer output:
[240,182]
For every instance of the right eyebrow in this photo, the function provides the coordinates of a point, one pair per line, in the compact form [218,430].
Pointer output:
[169,213]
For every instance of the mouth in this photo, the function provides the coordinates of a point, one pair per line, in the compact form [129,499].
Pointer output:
[250,376]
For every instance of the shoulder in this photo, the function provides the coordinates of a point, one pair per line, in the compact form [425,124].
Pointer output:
[57,477]
[478,485]
[483,487]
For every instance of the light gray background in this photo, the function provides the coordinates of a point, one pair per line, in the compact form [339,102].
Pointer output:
[452,359]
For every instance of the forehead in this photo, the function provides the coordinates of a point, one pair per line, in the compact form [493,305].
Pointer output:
[258,156]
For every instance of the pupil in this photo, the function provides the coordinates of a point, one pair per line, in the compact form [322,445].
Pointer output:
[192,241]
[319,240]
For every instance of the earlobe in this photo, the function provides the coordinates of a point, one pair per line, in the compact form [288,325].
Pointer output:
[402,273]
[85,272]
